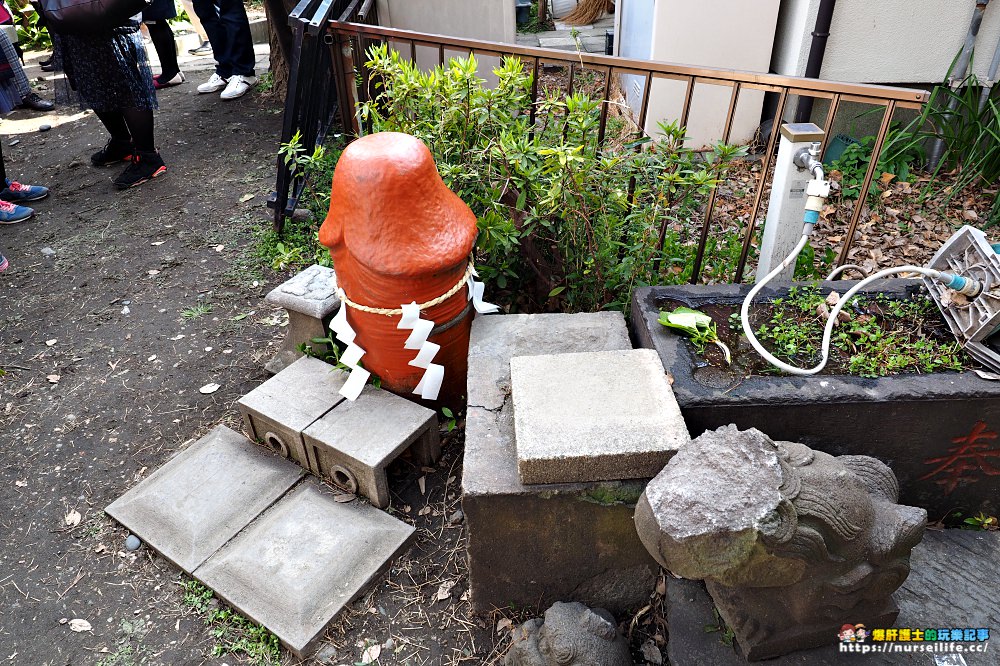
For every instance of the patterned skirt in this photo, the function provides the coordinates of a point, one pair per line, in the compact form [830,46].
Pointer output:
[107,72]
[9,95]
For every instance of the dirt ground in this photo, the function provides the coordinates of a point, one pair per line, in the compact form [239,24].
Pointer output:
[117,308]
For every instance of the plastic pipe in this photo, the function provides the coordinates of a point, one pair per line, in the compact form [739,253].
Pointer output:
[991,78]
[817,49]
[956,77]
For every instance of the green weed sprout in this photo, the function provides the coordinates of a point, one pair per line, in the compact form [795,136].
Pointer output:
[698,326]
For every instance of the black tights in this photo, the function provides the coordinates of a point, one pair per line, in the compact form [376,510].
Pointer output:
[166,49]
[135,125]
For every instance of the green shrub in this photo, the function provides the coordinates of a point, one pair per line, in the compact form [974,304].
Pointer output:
[564,224]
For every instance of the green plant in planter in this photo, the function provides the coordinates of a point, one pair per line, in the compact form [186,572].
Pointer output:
[696,325]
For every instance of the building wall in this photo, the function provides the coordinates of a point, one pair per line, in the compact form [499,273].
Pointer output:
[885,41]
[634,39]
[490,20]
[487,20]
[730,34]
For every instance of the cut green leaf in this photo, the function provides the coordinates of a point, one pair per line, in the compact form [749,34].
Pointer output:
[698,326]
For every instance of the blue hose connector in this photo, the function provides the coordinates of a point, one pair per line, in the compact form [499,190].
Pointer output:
[957,282]
[811,217]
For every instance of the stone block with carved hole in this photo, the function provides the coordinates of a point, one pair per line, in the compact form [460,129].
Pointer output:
[353,444]
[279,410]
[311,300]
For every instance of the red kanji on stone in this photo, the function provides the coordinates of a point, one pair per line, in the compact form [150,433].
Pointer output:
[971,453]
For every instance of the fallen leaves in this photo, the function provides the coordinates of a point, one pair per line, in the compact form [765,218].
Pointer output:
[78,625]
[444,590]
[371,653]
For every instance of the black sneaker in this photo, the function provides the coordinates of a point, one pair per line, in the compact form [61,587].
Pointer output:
[145,166]
[115,150]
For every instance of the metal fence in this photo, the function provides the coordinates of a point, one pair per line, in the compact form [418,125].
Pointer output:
[315,85]
[354,32]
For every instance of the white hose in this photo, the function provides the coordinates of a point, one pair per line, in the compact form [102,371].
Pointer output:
[846,267]
[830,322]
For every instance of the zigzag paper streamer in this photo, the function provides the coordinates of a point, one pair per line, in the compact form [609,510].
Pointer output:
[430,383]
[352,355]
[476,290]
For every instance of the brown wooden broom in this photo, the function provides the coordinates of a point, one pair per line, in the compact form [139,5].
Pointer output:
[588,11]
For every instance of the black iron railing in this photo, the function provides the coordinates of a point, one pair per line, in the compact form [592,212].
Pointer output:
[315,87]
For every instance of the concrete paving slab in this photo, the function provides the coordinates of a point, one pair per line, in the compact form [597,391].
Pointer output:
[191,506]
[353,444]
[594,416]
[302,561]
[277,411]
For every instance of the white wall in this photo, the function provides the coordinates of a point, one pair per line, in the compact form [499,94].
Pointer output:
[885,41]
[634,39]
[731,34]
[489,20]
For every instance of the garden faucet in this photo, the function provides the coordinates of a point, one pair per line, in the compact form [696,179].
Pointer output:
[818,188]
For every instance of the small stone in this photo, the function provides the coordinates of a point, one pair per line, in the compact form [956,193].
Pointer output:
[132,542]
[45,128]
[302,215]
[456,518]
[48,252]
[327,655]
[389,644]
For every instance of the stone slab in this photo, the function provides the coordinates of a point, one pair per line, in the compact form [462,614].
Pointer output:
[530,546]
[312,292]
[913,423]
[951,585]
[496,339]
[302,561]
[188,508]
[594,416]
[354,443]
[279,410]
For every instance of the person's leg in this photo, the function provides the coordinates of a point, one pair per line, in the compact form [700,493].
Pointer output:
[208,12]
[195,21]
[119,147]
[114,122]
[146,163]
[236,25]
[140,126]
[166,50]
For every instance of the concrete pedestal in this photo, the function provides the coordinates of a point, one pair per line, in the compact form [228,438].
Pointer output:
[530,546]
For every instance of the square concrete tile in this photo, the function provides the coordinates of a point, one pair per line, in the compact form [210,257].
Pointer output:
[594,416]
[354,443]
[302,561]
[191,506]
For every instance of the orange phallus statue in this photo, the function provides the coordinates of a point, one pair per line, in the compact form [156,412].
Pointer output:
[398,235]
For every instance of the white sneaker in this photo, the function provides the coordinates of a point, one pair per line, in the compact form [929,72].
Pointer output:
[214,84]
[238,86]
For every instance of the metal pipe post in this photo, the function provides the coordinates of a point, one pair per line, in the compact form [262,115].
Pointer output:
[783,226]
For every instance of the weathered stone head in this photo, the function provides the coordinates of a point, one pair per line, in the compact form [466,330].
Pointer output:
[792,543]
[571,634]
